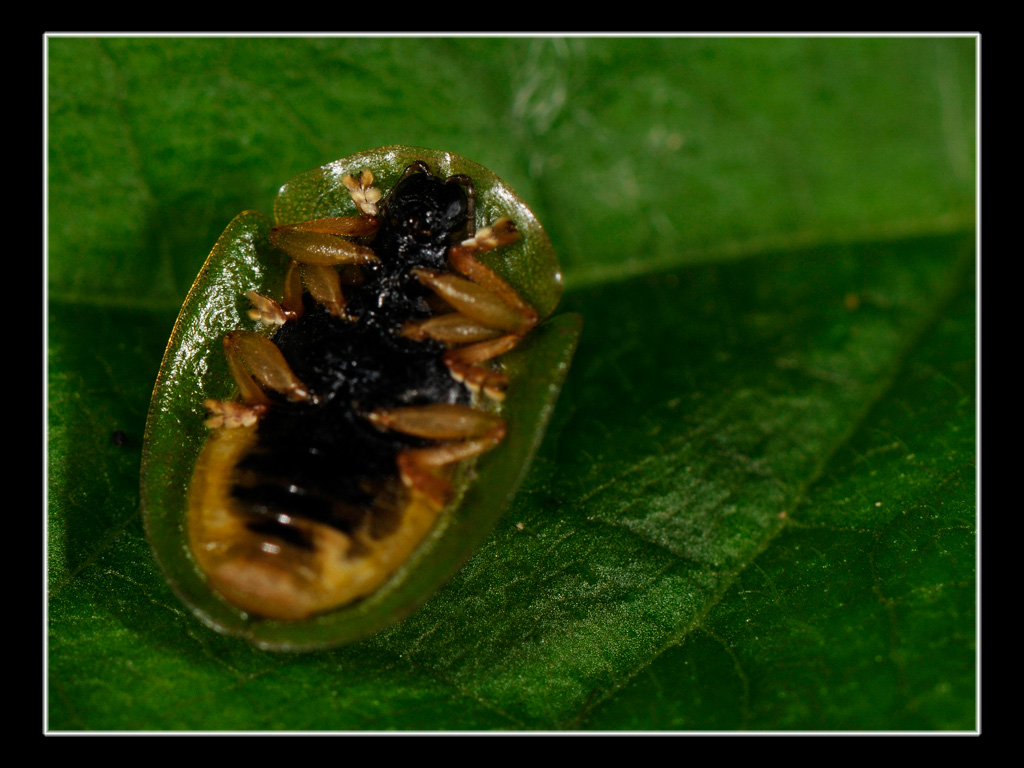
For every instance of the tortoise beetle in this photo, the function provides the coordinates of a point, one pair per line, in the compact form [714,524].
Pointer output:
[377,369]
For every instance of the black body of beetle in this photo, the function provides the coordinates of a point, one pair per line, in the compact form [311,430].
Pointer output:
[323,461]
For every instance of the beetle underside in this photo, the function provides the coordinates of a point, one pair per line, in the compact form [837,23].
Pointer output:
[324,478]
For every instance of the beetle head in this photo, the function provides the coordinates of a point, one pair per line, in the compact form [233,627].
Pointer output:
[428,210]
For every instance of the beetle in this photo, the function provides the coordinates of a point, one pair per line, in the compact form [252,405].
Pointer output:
[374,377]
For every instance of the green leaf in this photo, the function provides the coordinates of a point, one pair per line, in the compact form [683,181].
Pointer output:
[755,507]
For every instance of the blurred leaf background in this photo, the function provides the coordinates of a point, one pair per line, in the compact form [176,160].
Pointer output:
[755,508]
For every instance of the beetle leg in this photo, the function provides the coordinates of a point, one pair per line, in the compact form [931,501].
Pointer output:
[418,467]
[324,284]
[255,360]
[472,431]
[464,365]
[318,241]
[449,328]
[292,300]
[438,421]
[363,193]
[321,247]
[486,301]
[478,302]
[343,226]
[231,415]
[270,312]
[265,310]
[462,258]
